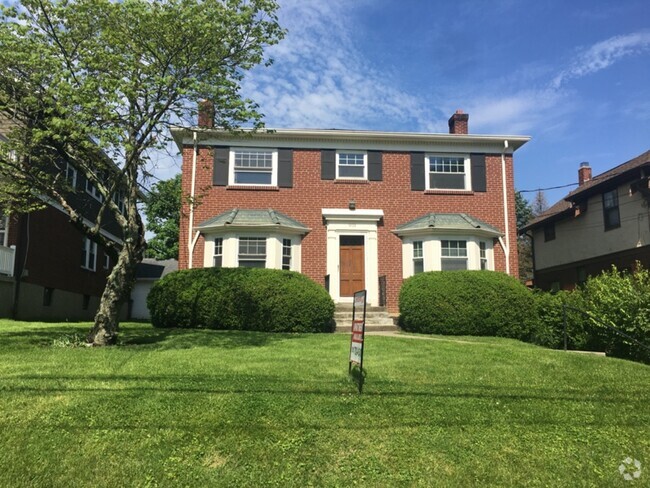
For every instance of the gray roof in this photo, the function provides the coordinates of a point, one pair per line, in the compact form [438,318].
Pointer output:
[153,269]
[239,217]
[448,221]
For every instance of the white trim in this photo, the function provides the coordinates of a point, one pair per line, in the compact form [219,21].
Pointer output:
[506,247]
[231,165]
[369,215]
[361,140]
[89,245]
[5,231]
[345,222]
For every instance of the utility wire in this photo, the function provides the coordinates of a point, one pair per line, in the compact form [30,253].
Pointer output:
[549,188]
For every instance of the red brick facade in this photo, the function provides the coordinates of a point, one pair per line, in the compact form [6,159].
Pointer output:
[310,194]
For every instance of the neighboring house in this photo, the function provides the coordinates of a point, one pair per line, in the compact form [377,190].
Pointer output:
[350,209]
[147,273]
[48,268]
[605,221]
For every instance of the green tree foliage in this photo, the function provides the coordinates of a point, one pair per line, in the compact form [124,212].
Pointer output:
[524,213]
[163,211]
[97,83]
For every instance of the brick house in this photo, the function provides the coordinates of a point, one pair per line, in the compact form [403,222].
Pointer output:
[350,209]
[48,268]
[604,221]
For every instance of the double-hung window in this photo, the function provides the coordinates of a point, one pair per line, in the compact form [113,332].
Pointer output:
[218,253]
[93,191]
[4,230]
[351,164]
[89,254]
[549,232]
[418,257]
[447,173]
[482,247]
[252,252]
[286,253]
[254,167]
[610,210]
[71,175]
[454,255]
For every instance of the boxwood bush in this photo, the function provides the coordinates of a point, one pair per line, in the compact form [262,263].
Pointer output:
[241,298]
[480,303]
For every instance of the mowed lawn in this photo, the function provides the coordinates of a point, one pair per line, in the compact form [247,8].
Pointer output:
[210,408]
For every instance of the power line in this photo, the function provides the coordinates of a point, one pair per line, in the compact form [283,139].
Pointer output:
[549,188]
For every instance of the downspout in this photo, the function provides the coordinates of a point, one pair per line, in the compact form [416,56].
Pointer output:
[506,245]
[192,242]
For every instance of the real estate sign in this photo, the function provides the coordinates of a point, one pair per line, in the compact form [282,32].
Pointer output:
[358,329]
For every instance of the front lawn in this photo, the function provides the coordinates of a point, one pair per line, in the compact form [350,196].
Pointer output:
[210,408]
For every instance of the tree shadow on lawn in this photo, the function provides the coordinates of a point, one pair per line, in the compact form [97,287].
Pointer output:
[164,339]
[142,336]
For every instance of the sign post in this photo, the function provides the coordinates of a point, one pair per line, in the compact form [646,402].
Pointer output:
[358,334]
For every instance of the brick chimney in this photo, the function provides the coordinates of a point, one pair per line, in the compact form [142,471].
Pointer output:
[458,123]
[206,113]
[584,173]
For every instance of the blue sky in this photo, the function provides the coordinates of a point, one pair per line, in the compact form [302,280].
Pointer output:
[573,75]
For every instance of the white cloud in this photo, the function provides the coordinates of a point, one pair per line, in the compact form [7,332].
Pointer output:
[320,79]
[603,54]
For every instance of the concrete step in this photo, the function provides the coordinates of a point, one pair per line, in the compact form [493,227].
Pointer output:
[377,319]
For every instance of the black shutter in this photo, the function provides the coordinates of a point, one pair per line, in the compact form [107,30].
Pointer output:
[417,171]
[220,171]
[374,165]
[478,172]
[327,164]
[285,168]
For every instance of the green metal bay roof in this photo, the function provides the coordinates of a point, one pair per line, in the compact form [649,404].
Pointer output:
[239,217]
[440,222]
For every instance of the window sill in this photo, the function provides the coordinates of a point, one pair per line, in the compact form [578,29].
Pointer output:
[253,187]
[351,181]
[448,192]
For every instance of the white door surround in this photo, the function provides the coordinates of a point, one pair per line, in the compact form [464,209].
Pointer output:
[344,222]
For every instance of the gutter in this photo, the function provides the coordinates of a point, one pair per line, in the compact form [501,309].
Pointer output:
[505,245]
[191,242]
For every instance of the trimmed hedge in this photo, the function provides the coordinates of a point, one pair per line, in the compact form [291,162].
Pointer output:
[241,299]
[479,303]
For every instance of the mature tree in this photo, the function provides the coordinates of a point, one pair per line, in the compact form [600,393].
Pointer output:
[163,211]
[540,205]
[96,83]
[524,213]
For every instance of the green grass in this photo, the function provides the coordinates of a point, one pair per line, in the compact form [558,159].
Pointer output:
[209,408]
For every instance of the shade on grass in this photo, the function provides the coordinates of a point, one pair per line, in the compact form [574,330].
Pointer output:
[210,408]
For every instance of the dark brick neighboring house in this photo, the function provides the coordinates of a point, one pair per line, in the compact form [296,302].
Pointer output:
[605,221]
[48,269]
[350,209]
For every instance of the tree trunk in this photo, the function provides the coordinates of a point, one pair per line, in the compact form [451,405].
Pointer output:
[117,291]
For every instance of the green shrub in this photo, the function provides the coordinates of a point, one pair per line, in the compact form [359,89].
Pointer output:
[241,298]
[481,303]
[550,314]
[621,300]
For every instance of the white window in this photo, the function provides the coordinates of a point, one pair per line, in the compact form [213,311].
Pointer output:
[454,255]
[217,260]
[88,254]
[482,246]
[107,261]
[257,167]
[351,164]
[4,230]
[418,257]
[93,191]
[286,253]
[71,175]
[252,252]
[447,173]
[118,198]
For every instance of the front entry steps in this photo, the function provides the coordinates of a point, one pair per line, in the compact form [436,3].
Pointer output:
[377,319]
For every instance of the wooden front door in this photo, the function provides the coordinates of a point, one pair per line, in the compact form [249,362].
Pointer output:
[351,268]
